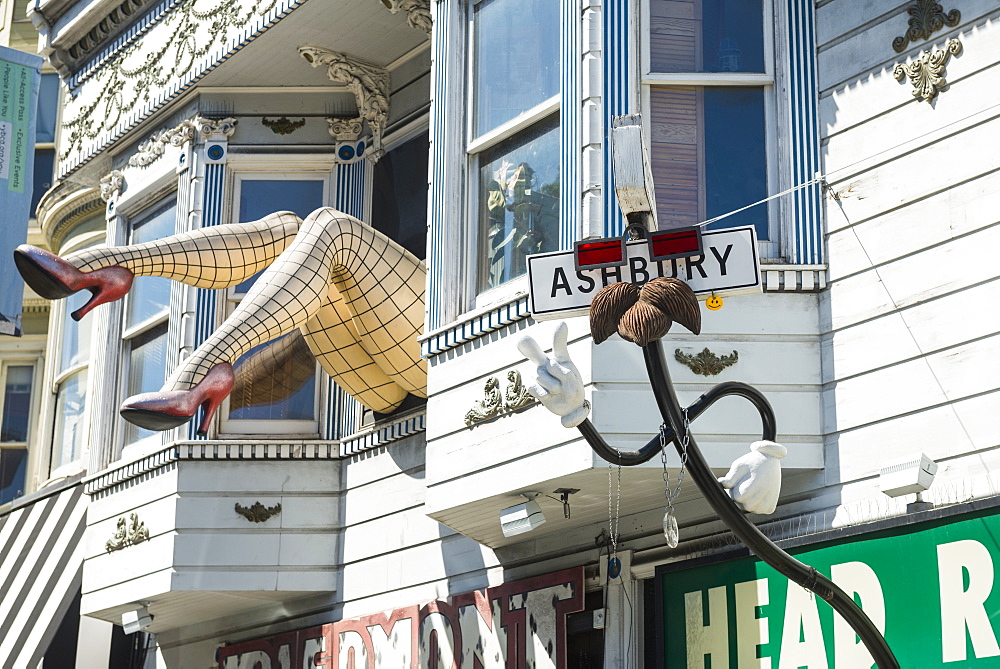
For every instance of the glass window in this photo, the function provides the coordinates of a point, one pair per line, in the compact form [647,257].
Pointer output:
[44,167]
[399,195]
[150,295]
[147,370]
[69,430]
[706,36]
[275,381]
[13,463]
[17,403]
[515,59]
[75,349]
[519,201]
[708,144]
[48,108]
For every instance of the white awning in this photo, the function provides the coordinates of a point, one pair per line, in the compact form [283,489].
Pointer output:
[41,563]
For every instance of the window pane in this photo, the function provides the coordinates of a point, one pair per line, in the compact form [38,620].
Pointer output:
[17,403]
[150,295]
[260,197]
[146,372]
[71,403]
[75,335]
[709,155]
[519,201]
[399,195]
[275,381]
[516,58]
[44,166]
[48,106]
[706,36]
[13,462]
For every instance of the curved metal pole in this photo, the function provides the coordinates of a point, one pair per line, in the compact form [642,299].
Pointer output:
[746,531]
[652,448]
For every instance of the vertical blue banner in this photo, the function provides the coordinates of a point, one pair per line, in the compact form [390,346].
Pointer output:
[19,82]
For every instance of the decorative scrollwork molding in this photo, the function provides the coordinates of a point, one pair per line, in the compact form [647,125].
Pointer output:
[926,18]
[129,533]
[926,72]
[257,512]
[111,184]
[100,32]
[212,127]
[706,363]
[368,82]
[514,398]
[345,129]
[154,147]
[418,12]
[283,125]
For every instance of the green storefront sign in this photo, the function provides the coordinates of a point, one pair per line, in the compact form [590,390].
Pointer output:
[930,587]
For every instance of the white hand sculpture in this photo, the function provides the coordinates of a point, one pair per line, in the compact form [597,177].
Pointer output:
[559,386]
[754,480]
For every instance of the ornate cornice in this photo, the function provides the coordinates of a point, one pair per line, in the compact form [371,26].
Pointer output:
[104,28]
[926,72]
[926,18]
[368,82]
[418,12]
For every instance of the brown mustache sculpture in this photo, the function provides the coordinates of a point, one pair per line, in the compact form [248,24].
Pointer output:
[642,315]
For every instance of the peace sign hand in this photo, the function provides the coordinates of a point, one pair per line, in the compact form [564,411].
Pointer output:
[559,385]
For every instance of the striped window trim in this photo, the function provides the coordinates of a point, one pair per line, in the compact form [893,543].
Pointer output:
[383,435]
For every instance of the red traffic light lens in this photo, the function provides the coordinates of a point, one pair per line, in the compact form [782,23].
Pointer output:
[600,253]
[674,243]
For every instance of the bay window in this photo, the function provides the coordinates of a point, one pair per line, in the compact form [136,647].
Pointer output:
[70,427]
[17,380]
[513,134]
[708,87]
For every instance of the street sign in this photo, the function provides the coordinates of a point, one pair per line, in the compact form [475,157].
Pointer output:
[729,266]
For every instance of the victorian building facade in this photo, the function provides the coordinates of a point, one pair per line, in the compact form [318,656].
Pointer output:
[306,530]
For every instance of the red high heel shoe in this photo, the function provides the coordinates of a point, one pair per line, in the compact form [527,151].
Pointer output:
[164,410]
[52,277]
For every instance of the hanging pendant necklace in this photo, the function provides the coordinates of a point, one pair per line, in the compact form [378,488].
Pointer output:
[614,564]
[670,530]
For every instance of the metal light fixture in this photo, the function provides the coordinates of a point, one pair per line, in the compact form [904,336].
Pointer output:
[521,518]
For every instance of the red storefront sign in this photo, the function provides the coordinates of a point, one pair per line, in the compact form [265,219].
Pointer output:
[516,624]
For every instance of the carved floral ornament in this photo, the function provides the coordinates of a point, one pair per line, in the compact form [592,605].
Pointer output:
[283,125]
[418,12]
[494,403]
[257,512]
[129,533]
[926,18]
[926,71]
[368,82]
[706,363]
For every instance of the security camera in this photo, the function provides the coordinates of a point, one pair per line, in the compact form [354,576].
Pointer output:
[521,518]
[136,620]
[906,475]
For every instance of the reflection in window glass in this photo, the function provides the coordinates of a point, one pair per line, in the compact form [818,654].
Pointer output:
[399,195]
[48,107]
[519,201]
[43,169]
[75,334]
[706,36]
[708,154]
[150,295]
[260,197]
[275,381]
[17,403]
[71,404]
[516,58]
[13,463]
[147,371]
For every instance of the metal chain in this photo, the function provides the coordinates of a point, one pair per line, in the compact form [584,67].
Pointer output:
[671,495]
[613,516]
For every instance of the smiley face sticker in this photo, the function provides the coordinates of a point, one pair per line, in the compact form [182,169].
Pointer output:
[714,303]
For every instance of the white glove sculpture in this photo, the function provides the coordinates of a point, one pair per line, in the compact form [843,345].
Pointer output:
[559,386]
[754,480]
